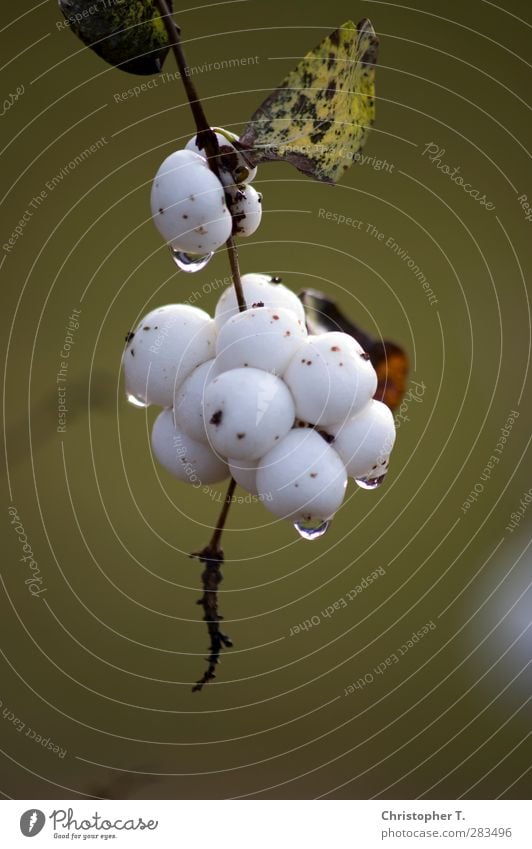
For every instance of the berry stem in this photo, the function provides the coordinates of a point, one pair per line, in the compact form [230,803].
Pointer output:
[220,525]
[232,253]
[206,136]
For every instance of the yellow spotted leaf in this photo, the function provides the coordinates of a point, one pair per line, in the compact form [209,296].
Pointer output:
[318,118]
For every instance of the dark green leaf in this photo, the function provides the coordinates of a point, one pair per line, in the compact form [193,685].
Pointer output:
[128,35]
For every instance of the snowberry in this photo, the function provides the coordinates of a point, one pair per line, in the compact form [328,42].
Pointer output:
[246,208]
[246,412]
[245,473]
[188,402]
[260,337]
[302,478]
[365,442]
[185,459]
[235,168]
[165,347]
[330,379]
[258,289]
[188,204]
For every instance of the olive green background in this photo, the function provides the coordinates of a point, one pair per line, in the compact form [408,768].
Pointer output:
[102,662]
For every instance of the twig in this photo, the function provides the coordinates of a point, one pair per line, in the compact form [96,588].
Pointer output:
[212,557]
[174,39]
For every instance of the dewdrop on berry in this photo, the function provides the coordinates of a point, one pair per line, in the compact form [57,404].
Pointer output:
[188,402]
[246,208]
[365,442]
[258,289]
[304,480]
[261,337]
[188,205]
[233,165]
[246,412]
[185,459]
[330,379]
[164,348]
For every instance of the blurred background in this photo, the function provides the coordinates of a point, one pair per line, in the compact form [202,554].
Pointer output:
[101,635]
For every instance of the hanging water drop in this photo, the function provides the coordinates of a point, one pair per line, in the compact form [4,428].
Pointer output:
[370,483]
[313,529]
[136,401]
[190,262]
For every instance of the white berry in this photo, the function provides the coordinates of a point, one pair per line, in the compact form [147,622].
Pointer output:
[185,459]
[302,478]
[188,402]
[165,347]
[188,204]
[258,289]
[263,337]
[245,473]
[330,379]
[365,442]
[246,412]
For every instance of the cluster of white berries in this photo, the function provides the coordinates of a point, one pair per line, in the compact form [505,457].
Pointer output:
[196,212]
[250,394]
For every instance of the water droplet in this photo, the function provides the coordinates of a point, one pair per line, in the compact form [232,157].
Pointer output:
[312,530]
[190,262]
[370,483]
[136,401]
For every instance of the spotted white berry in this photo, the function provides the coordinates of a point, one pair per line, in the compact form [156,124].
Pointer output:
[302,478]
[246,208]
[246,412]
[330,379]
[185,459]
[163,349]
[259,290]
[261,337]
[188,204]
[365,442]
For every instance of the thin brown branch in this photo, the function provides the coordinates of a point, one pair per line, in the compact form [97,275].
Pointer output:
[212,555]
